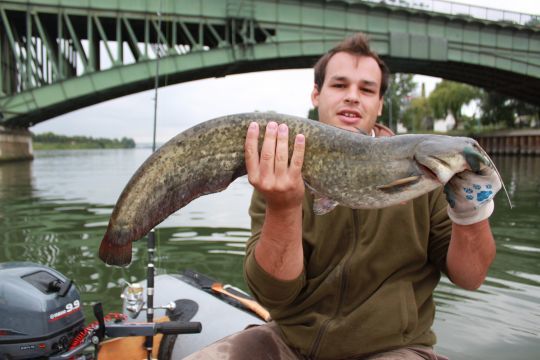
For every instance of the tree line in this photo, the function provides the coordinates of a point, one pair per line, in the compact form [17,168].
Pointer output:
[417,112]
[52,140]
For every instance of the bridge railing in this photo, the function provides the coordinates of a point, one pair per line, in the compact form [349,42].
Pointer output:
[453,8]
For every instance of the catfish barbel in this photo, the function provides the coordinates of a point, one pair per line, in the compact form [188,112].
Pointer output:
[340,167]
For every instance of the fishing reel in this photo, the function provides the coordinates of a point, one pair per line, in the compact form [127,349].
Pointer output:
[133,294]
[134,303]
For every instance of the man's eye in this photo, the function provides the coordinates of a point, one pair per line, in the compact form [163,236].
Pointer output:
[339,86]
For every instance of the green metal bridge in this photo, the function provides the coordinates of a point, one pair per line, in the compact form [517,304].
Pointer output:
[60,55]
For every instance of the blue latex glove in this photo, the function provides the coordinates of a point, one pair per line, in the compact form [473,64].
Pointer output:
[470,195]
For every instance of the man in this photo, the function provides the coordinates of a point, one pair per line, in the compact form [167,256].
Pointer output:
[351,284]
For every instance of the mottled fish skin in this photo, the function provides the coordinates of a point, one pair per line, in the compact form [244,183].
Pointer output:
[351,169]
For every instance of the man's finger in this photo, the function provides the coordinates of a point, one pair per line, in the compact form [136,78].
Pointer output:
[268,151]
[251,151]
[282,150]
[297,158]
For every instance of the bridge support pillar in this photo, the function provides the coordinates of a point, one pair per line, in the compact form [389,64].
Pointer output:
[15,144]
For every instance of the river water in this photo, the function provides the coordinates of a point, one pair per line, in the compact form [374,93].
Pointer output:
[54,211]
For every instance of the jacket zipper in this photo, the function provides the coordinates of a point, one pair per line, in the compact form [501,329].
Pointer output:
[315,348]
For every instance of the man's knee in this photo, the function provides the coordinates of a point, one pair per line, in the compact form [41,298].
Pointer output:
[257,342]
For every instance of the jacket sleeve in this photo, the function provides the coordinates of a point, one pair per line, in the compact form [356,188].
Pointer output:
[269,291]
[440,230]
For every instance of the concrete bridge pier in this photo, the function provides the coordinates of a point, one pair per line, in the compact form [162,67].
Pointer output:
[15,144]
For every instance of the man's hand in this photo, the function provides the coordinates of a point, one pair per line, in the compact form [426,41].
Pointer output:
[470,195]
[279,250]
[279,182]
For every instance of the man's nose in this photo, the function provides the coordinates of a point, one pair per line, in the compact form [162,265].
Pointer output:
[352,97]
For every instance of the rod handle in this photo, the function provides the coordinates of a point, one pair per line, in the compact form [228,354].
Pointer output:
[179,327]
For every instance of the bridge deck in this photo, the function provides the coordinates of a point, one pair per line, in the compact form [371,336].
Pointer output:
[58,56]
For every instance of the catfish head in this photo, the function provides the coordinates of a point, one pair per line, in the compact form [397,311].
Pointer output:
[442,157]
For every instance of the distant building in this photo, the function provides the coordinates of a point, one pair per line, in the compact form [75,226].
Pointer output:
[444,125]
[401,129]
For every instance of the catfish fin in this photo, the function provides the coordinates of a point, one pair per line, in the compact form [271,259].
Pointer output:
[397,184]
[323,205]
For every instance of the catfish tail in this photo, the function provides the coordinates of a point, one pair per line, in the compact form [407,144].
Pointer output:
[114,253]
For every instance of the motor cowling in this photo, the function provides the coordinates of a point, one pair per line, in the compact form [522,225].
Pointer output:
[40,311]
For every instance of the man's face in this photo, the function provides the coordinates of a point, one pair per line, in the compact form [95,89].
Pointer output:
[350,97]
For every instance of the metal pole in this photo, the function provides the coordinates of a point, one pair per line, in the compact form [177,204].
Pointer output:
[156,81]
[156,85]
[150,290]
[390,115]
[2,55]
[28,73]
[390,98]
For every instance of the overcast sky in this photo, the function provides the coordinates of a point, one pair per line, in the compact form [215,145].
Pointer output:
[184,105]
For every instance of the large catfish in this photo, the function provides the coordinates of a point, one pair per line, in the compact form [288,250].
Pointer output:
[340,167]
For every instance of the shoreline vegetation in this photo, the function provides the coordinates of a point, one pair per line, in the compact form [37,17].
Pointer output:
[51,141]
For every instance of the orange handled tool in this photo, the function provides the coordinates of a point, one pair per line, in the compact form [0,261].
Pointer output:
[250,304]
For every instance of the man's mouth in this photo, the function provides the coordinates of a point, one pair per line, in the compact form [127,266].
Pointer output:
[349,116]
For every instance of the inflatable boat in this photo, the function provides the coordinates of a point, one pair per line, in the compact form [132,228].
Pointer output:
[41,317]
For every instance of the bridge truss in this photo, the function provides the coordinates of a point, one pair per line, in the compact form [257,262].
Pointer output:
[57,56]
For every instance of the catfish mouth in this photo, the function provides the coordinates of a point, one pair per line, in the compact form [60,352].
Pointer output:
[441,162]
[430,174]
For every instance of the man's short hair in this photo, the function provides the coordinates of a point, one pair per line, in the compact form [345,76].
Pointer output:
[357,45]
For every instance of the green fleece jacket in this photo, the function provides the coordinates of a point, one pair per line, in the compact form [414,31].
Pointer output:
[368,277]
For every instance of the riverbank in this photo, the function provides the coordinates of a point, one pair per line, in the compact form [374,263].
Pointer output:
[51,141]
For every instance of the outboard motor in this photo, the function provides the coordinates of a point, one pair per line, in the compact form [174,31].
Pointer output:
[40,311]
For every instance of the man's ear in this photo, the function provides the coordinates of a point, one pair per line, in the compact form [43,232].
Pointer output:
[381,103]
[315,96]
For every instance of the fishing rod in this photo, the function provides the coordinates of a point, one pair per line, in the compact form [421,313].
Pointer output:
[149,341]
